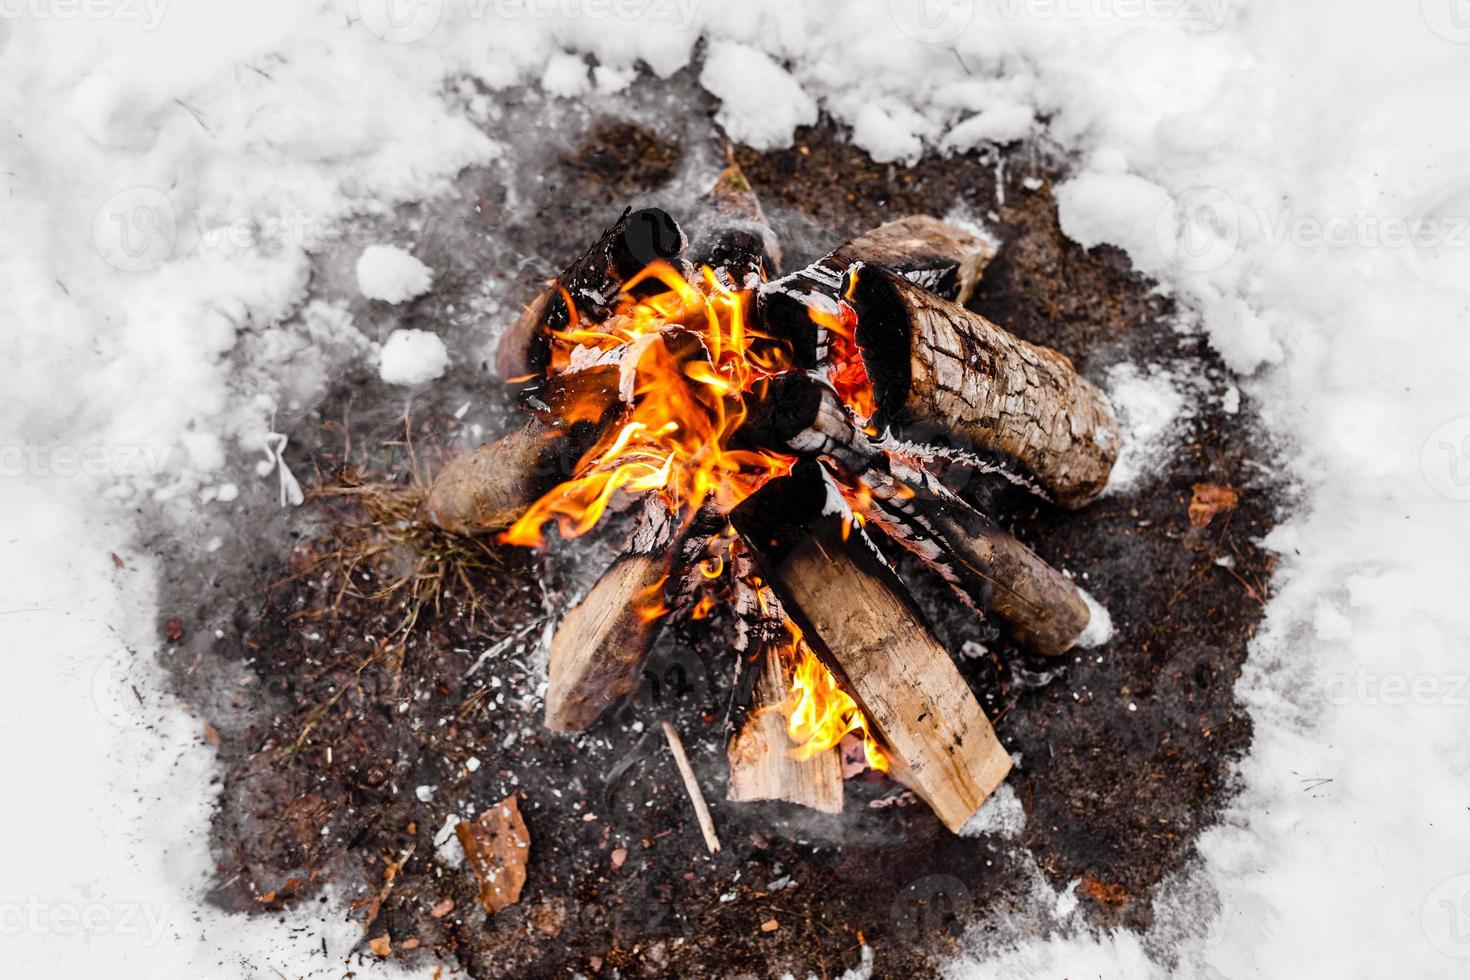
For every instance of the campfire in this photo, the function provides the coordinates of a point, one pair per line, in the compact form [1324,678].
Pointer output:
[769,429]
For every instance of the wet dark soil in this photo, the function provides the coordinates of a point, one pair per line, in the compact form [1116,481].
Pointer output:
[348,743]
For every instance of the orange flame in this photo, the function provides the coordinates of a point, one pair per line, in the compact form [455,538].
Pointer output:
[684,408]
[818,711]
[687,402]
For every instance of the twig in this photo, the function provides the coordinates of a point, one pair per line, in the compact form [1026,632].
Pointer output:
[701,809]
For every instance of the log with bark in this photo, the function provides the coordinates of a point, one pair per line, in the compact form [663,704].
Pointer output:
[1041,608]
[933,361]
[866,629]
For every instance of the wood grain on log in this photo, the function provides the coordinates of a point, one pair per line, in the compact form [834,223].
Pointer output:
[1041,608]
[737,242]
[762,763]
[598,651]
[933,361]
[862,623]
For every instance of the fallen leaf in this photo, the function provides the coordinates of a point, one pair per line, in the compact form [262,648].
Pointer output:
[411,943]
[595,962]
[174,630]
[770,925]
[211,734]
[496,845]
[116,560]
[381,945]
[1210,499]
[1113,896]
[442,909]
[619,855]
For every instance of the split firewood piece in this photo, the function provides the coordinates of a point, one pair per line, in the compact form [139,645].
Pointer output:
[591,284]
[598,652]
[490,487]
[941,257]
[1041,609]
[763,765]
[738,242]
[933,361]
[867,630]
[496,845]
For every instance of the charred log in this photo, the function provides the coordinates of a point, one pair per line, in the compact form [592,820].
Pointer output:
[588,289]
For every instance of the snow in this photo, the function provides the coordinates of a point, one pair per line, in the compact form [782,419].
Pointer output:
[411,357]
[1099,629]
[1292,174]
[390,274]
[1147,402]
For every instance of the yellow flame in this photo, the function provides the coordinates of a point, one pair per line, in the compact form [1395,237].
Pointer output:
[818,711]
[684,410]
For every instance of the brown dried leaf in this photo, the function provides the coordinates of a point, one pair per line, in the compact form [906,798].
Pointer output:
[496,845]
[381,945]
[1210,499]
[1113,896]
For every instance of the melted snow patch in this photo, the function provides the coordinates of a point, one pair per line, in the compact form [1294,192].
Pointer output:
[1002,814]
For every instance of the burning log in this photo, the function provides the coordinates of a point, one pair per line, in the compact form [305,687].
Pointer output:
[493,485]
[867,630]
[598,651]
[934,361]
[763,765]
[1041,608]
[739,244]
[588,289]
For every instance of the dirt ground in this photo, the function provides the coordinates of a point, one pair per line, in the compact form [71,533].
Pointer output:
[348,740]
